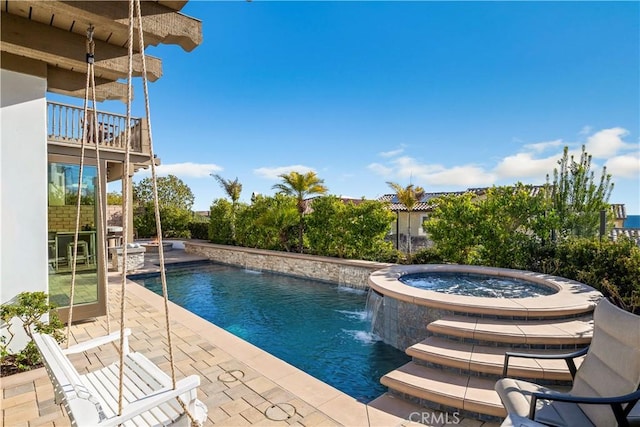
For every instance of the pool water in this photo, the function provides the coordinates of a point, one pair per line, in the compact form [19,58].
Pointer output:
[477,285]
[320,328]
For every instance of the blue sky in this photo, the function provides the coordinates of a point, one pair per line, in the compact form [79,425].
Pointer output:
[444,95]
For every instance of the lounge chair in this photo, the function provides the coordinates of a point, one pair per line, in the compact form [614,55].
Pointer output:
[606,386]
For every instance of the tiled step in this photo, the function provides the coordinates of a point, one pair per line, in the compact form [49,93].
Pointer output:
[472,394]
[399,407]
[574,331]
[489,360]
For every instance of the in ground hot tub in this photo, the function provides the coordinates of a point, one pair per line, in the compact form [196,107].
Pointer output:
[404,299]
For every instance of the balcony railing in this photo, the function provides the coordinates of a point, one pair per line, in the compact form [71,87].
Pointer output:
[65,126]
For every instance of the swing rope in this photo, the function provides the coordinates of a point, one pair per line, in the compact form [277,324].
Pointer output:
[102,203]
[90,85]
[125,209]
[134,6]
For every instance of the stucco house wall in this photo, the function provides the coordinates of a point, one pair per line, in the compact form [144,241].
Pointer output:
[416,223]
[23,186]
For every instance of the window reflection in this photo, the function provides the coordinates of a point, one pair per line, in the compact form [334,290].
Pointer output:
[63,196]
[63,184]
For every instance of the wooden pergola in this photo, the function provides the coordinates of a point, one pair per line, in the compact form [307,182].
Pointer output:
[48,38]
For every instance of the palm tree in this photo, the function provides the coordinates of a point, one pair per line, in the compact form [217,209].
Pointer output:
[409,196]
[300,186]
[233,190]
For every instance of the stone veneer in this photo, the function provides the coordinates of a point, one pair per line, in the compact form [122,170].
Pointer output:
[351,273]
[402,324]
[135,258]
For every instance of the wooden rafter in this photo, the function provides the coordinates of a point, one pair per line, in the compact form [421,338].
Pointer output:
[51,35]
[73,83]
[67,50]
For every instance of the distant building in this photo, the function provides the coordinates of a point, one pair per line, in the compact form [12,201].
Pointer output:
[419,214]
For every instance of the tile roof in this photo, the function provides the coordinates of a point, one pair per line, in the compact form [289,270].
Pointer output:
[631,233]
[424,205]
[425,202]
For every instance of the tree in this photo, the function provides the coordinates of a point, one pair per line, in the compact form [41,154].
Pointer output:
[327,227]
[409,196]
[175,199]
[300,186]
[509,225]
[452,228]
[233,190]
[268,223]
[220,222]
[172,191]
[576,199]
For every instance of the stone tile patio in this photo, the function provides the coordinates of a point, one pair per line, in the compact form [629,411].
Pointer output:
[241,384]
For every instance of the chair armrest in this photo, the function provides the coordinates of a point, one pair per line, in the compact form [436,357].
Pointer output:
[615,402]
[97,342]
[568,357]
[154,400]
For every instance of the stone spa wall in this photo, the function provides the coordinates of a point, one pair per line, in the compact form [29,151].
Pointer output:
[351,273]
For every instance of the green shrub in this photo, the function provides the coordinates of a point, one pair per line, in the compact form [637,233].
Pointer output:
[29,307]
[175,221]
[199,229]
[220,228]
[427,256]
[611,267]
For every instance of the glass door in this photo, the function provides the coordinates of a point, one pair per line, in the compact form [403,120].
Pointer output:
[62,218]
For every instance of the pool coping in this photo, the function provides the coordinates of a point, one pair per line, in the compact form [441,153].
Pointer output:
[572,297]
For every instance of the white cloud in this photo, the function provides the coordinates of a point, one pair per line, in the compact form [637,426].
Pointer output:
[408,169]
[531,165]
[586,130]
[274,173]
[392,153]
[379,169]
[183,170]
[525,165]
[463,176]
[627,166]
[606,143]
[540,147]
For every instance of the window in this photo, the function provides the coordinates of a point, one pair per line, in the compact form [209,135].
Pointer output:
[63,182]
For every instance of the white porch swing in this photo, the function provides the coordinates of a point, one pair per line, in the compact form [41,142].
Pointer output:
[131,391]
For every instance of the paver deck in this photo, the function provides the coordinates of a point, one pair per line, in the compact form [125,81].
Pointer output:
[240,383]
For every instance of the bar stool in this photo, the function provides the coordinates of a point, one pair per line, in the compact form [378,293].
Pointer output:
[83,252]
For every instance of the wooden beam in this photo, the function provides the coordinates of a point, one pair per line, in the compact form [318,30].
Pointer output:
[176,5]
[67,50]
[23,65]
[160,23]
[73,83]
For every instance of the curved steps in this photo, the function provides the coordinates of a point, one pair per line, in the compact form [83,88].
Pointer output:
[488,360]
[459,363]
[559,332]
[472,394]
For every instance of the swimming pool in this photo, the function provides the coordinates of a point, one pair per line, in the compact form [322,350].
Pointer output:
[318,327]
